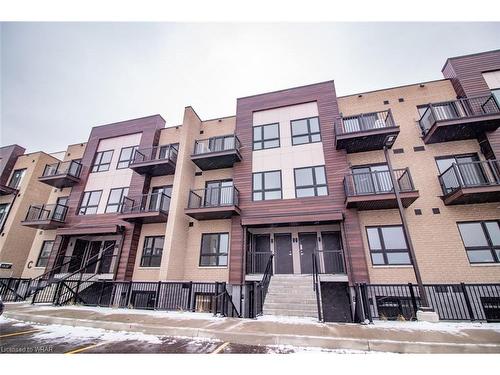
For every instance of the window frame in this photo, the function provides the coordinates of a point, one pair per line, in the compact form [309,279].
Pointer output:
[315,186]
[99,164]
[262,140]
[22,171]
[87,207]
[151,256]
[120,203]
[264,190]
[491,247]
[308,134]
[45,258]
[218,253]
[5,214]
[127,161]
[383,250]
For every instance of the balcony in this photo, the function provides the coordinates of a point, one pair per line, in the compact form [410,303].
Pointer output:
[7,190]
[365,132]
[213,203]
[375,191]
[155,161]
[459,119]
[474,182]
[45,216]
[146,208]
[62,174]
[216,152]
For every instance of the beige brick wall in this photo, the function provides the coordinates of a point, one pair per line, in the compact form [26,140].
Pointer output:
[439,249]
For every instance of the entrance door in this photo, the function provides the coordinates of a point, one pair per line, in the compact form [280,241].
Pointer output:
[331,256]
[92,254]
[219,193]
[283,253]
[77,256]
[307,246]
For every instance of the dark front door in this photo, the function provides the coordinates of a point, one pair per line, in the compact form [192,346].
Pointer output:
[283,253]
[92,255]
[330,258]
[261,253]
[77,256]
[307,246]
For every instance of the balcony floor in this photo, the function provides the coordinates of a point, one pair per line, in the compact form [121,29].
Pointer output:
[381,201]
[212,213]
[59,181]
[471,195]
[43,224]
[461,128]
[146,217]
[162,167]
[5,190]
[216,160]
[361,141]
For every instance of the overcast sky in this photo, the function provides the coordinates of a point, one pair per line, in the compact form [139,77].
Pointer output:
[60,79]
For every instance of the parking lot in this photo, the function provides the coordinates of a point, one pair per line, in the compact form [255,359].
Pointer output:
[19,337]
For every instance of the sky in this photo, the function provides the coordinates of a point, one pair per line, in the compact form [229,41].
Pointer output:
[57,80]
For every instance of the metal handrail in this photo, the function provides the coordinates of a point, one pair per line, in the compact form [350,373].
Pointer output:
[151,202]
[56,212]
[164,152]
[316,284]
[470,174]
[365,122]
[214,197]
[377,182]
[263,284]
[70,167]
[216,144]
[330,261]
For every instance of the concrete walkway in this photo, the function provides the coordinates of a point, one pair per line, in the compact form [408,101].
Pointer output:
[407,337]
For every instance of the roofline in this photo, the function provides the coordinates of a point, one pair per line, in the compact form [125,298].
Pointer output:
[132,119]
[219,118]
[290,88]
[394,87]
[470,54]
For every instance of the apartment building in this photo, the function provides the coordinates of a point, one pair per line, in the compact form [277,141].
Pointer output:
[299,183]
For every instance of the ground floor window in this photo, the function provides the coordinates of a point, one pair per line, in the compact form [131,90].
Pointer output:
[43,257]
[481,240]
[214,249]
[388,245]
[153,249]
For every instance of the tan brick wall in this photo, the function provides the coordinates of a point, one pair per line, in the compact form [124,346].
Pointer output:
[439,249]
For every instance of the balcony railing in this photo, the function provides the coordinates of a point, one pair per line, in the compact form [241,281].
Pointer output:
[365,122]
[213,197]
[470,175]
[155,202]
[457,109]
[167,152]
[216,144]
[71,167]
[377,182]
[47,212]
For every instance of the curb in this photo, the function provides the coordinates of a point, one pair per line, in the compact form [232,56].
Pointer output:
[326,342]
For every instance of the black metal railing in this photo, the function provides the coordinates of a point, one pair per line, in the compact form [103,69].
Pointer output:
[455,109]
[257,261]
[70,167]
[216,144]
[153,202]
[43,212]
[377,182]
[213,197]
[262,286]
[166,152]
[457,301]
[471,174]
[330,261]
[223,302]
[317,285]
[365,122]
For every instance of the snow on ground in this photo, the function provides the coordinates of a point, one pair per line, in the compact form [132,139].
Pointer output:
[277,349]
[428,326]
[288,319]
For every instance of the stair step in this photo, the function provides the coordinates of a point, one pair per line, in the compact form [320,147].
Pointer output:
[290,306]
[289,300]
[291,313]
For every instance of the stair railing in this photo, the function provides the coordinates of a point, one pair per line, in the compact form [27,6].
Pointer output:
[317,285]
[223,303]
[263,285]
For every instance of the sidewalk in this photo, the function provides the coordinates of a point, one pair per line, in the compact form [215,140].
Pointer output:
[399,337]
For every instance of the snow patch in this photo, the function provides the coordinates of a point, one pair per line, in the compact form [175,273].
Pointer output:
[288,319]
[278,349]
[428,326]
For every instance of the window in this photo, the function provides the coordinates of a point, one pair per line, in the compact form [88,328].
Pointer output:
[266,185]
[266,136]
[470,171]
[481,240]
[127,155]
[158,201]
[4,210]
[219,193]
[305,131]
[372,179]
[90,202]
[388,245]
[214,249]
[310,182]
[153,249]
[17,177]
[115,199]
[102,161]
[43,257]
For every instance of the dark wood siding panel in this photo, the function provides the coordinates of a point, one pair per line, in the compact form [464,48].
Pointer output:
[8,158]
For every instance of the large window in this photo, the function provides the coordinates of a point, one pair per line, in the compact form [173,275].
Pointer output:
[310,182]
[90,202]
[266,136]
[4,209]
[266,185]
[16,179]
[388,245]
[43,257]
[126,157]
[153,249]
[481,240]
[115,199]
[305,131]
[102,161]
[214,249]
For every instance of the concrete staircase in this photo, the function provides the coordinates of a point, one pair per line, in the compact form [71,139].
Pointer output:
[291,295]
